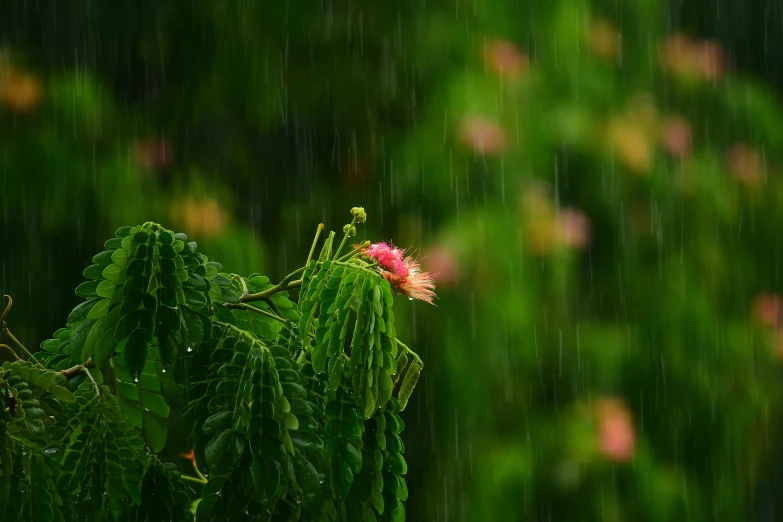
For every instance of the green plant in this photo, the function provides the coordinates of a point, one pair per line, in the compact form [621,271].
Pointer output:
[289,406]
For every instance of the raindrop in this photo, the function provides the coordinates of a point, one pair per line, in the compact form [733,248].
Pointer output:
[164,370]
[410,299]
[190,349]
[135,379]
[51,450]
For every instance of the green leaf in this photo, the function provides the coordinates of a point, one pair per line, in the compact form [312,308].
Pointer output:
[123,231]
[62,394]
[155,432]
[194,325]
[51,345]
[87,289]
[224,315]
[166,238]
[106,288]
[136,353]
[100,309]
[46,379]
[194,297]
[135,268]
[217,447]
[93,272]
[112,272]
[79,313]
[79,336]
[319,358]
[408,383]
[103,259]
[119,257]
[216,422]
[155,403]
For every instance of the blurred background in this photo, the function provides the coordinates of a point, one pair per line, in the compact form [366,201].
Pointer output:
[598,183]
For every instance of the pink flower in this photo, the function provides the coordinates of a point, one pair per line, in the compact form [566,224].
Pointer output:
[767,310]
[746,164]
[505,58]
[442,261]
[403,273]
[616,436]
[676,137]
[574,228]
[483,135]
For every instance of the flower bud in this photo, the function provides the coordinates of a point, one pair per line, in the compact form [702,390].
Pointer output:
[350,230]
[359,214]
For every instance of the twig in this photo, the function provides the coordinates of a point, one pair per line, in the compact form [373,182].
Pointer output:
[12,352]
[357,250]
[7,307]
[19,344]
[283,285]
[415,356]
[7,331]
[345,237]
[193,479]
[273,306]
[315,242]
[73,371]
[87,371]
[243,306]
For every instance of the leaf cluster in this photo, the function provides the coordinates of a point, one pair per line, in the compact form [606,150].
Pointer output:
[289,406]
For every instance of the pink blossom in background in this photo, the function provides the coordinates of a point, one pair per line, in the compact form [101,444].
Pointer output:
[574,228]
[616,435]
[676,137]
[686,57]
[767,310]
[505,58]
[152,153]
[709,59]
[745,164]
[483,135]
[442,262]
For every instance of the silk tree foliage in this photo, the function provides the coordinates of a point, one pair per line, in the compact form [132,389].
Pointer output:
[292,408]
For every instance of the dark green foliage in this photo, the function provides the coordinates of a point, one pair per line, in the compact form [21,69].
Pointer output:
[288,415]
[164,496]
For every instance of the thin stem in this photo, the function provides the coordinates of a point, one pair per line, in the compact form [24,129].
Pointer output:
[196,480]
[290,276]
[87,371]
[237,329]
[357,266]
[243,306]
[7,307]
[345,237]
[355,251]
[73,371]
[414,354]
[315,242]
[273,306]
[12,352]
[271,291]
[19,344]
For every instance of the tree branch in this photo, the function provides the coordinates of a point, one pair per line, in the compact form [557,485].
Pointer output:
[73,371]
[260,296]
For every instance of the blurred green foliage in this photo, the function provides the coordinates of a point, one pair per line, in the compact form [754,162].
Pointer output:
[601,196]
